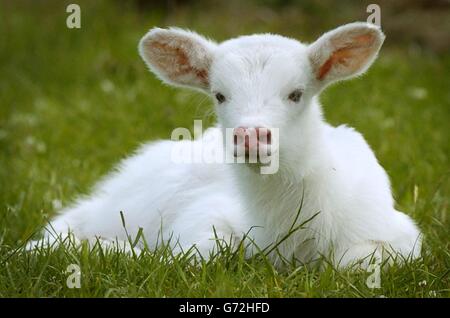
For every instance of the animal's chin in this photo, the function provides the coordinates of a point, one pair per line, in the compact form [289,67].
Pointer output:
[254,156]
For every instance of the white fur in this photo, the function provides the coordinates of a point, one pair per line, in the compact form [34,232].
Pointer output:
[332,168]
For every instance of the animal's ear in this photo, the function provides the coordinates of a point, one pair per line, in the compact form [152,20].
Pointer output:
[344,52]
[178,57]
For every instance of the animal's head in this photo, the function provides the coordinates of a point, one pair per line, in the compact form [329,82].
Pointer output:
[262,80]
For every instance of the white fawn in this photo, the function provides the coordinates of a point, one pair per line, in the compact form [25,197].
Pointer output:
[328,178]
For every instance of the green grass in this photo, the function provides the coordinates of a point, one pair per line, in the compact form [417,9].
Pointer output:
[74,102]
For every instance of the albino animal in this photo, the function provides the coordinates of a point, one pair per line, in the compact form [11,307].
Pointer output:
[257,81]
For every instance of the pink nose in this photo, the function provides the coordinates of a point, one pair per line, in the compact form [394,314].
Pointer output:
[251,137]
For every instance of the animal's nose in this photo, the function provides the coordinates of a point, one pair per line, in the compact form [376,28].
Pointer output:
[252,136]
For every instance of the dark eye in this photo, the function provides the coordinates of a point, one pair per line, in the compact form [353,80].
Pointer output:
[220,98]
[295,96]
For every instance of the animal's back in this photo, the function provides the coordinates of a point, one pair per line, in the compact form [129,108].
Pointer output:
[356,162]
[156,193]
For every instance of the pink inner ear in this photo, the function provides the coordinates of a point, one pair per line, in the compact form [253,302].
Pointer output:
[353,55]
[167,57]
[337,57]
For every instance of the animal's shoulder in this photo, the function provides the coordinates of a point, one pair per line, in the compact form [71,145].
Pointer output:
[346,137]
[350,149]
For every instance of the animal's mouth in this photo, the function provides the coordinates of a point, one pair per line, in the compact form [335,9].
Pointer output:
[257,153]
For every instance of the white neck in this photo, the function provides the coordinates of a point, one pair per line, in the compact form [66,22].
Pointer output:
[272,201]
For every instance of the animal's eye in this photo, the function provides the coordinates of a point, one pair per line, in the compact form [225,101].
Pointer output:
[220,98]
[295,95]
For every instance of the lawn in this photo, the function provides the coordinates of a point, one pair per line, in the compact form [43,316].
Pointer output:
[73,102]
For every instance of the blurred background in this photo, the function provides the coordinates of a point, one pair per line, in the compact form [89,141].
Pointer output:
[73,102]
